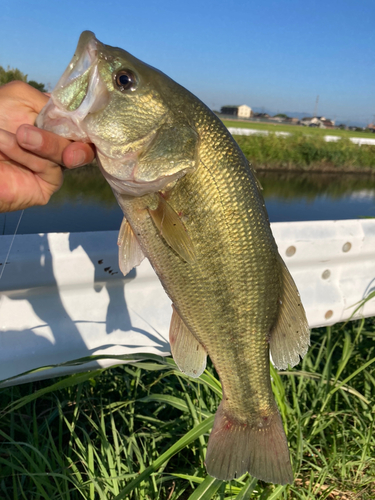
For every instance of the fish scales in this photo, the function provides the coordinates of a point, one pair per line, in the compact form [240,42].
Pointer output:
[238,285]
[193,207]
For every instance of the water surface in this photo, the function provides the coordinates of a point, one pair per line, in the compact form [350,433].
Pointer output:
[86,203]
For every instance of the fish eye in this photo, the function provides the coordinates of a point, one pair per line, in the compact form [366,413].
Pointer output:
[125,80]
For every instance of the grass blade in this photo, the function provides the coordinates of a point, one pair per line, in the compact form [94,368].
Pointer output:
[206,489]
[191,436]
[248,488]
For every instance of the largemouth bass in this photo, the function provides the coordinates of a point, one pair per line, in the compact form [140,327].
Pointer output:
[193,207]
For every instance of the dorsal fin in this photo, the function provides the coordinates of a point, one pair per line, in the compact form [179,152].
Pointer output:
[189,355]
[290,336]
[173,230]
[129,253]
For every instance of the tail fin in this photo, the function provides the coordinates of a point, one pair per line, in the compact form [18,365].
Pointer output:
[235,448]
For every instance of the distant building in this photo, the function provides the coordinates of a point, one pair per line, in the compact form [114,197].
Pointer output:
[327,123]
[293,121]
[371,127]
[318,121]
[263,116]
[229,110]
[242,111]
[278,119]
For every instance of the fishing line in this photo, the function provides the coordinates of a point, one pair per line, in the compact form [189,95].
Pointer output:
[10,247]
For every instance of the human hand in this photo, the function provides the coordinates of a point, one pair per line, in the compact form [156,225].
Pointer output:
[31,159]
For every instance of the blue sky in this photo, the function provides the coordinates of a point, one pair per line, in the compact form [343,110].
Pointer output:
[274,54]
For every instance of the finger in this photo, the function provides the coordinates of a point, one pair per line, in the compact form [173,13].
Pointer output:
[42,143]
[77,154]
[20,188]
[11,150]
[54,148]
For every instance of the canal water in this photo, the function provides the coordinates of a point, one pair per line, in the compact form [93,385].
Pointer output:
[86,203]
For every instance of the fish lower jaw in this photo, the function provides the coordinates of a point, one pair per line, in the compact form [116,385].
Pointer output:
[61,122]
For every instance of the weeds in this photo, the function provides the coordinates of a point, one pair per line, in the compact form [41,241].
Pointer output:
[140,431]
[306,152]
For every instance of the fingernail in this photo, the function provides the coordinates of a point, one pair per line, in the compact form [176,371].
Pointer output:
[79,158]
[31,138]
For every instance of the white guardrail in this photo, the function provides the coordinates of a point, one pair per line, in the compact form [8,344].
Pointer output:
[63,296]
[328,138]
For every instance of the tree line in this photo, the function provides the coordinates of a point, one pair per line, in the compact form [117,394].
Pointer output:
[11,74]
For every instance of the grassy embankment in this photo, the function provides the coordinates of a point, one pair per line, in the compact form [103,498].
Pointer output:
[140,432]
[305,149]
[293,129]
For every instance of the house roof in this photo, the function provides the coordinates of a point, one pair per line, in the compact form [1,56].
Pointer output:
[235,106]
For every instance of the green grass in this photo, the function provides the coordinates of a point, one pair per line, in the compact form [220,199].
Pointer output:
[306,153]
[305,149]
[277,127]
[140,431]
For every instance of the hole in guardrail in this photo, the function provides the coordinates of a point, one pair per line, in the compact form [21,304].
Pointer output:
[346,247]
[326,274]
[328,314]
[290,251]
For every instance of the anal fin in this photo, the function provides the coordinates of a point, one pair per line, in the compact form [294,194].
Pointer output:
[173,230]
[189,355]
[290,336]
[129,253]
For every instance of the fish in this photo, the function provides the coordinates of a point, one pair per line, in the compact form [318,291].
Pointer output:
[193,206]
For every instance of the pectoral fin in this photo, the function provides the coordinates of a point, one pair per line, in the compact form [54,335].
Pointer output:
[290,336]
[129,253]
[173,230]
[187,352]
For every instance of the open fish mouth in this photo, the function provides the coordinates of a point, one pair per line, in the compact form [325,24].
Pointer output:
[79,91]
[80,99]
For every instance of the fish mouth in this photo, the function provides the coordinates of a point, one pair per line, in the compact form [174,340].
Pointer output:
[79,91]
